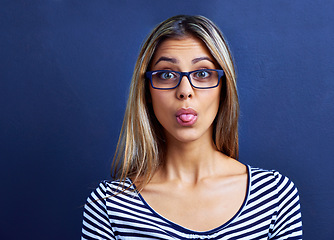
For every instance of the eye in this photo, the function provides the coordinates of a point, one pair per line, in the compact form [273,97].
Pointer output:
[166,75]
[202,74]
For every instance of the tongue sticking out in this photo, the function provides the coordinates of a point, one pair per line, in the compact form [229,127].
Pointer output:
[187,117]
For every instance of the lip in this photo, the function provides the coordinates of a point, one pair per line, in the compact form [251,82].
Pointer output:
[186,116]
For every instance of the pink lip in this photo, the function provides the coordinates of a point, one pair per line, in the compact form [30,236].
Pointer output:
[186,116]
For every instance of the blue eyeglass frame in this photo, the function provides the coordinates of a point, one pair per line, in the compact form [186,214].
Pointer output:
[220,72]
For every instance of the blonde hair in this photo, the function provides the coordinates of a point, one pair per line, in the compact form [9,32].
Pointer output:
[141,143]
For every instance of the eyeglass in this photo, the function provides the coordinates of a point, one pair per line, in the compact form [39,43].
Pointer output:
[201,79]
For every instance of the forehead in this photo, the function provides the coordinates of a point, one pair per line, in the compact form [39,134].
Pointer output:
[189,46]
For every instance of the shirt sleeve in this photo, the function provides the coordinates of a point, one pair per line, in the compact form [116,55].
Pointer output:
[287,223]
[96,224]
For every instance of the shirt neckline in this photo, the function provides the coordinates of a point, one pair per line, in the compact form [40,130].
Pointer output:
[190,231]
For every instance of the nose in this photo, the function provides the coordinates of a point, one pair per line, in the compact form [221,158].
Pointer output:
[184,90]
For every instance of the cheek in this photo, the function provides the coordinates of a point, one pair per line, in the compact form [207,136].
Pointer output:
[155,100]
[161,104]
[212,107]
[213,101]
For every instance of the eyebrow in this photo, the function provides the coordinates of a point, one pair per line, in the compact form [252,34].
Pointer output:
[167,59]
[196,60]
[173,60]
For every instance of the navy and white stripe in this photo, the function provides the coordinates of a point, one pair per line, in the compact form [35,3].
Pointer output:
[271,210]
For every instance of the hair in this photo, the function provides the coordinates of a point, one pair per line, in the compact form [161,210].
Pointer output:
[141,145]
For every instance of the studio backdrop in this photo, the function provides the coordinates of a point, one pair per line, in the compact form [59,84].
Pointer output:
[65,69]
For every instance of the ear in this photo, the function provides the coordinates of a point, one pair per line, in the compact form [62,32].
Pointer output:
[148,95]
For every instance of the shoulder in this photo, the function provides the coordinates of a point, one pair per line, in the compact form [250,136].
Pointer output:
[277,183]
[276,188]
[109,188]
[259,174]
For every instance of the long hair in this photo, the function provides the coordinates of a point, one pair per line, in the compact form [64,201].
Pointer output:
[141,145]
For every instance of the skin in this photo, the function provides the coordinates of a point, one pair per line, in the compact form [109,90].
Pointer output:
[198,187]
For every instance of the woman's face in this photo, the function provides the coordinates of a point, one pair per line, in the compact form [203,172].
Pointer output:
[186,113]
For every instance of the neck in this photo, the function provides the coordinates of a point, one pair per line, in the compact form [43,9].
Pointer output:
[190,162]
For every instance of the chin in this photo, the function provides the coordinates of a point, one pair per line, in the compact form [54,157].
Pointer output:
[186,136]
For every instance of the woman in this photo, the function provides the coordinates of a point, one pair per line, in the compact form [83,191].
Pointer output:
[176,168]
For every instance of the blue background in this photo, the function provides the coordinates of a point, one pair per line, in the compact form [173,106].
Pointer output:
[64,78]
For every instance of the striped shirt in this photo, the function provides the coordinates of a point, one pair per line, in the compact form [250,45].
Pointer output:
[271,210]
